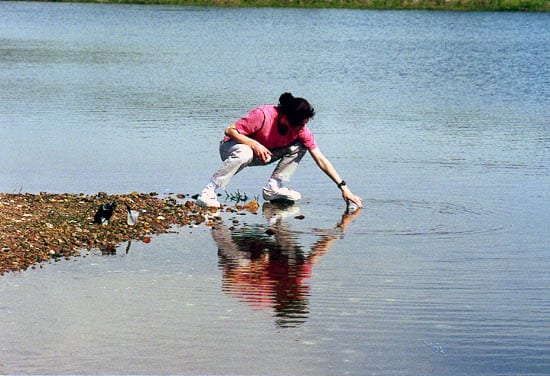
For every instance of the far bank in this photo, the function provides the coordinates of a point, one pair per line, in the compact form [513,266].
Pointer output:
[452,5]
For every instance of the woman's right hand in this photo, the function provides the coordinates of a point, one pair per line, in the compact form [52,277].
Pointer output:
[260,151]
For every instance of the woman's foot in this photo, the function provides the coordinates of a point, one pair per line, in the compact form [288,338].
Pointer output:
[208,198]
[280,193]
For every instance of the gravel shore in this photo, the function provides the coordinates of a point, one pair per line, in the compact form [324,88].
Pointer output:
[38,228]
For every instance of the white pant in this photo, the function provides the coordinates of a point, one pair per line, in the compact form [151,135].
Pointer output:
[237,156]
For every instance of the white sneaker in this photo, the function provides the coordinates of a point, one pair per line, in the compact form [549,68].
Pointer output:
[272,193]
[208,199]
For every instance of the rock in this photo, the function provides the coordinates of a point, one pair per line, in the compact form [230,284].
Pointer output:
[37,228]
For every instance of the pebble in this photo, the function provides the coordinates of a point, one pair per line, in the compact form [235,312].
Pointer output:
[34,228]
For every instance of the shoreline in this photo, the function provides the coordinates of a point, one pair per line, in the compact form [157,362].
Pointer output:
[46,227]
[441,5]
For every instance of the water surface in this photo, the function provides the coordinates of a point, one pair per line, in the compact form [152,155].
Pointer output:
[439,120]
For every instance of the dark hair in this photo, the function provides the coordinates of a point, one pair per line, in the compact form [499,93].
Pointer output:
[296,109]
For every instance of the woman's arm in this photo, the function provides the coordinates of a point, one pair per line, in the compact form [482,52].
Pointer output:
[327,167]
[259,150]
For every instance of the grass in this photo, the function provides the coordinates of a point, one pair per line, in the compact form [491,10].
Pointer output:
[462,5]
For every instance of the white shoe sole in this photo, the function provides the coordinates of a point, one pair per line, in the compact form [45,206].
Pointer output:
[206,205]
[280,198]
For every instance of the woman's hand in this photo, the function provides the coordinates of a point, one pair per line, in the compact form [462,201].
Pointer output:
[260,151]
[348,196]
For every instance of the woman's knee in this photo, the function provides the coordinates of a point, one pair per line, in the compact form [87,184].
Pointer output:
[297,148]
[239,152]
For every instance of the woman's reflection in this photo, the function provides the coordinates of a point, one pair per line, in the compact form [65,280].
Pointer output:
[265,265]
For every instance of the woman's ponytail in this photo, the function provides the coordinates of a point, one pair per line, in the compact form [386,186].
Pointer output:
[296,109]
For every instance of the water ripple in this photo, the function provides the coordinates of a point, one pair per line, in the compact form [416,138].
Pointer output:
[430,219]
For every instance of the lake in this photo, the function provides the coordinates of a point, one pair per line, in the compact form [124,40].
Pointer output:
[439,120]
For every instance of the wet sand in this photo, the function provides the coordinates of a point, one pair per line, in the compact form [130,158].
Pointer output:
[38,228]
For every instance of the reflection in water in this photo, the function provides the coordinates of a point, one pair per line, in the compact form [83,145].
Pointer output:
[110,249]
[267,267]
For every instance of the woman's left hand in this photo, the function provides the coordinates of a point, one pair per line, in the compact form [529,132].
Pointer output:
[348,196]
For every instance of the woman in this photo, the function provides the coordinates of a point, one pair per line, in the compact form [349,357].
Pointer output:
[267,134]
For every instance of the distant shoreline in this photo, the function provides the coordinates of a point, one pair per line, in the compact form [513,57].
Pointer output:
[450,5]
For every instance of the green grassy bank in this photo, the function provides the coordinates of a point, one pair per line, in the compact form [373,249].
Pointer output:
[463,5]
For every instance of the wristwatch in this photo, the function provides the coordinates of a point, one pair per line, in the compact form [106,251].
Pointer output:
[341,184]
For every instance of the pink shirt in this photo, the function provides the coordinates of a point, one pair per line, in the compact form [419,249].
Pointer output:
[261,125]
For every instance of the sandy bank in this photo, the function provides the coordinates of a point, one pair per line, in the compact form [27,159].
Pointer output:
[37,228]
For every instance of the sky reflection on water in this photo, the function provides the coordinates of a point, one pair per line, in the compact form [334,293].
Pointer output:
[439,120]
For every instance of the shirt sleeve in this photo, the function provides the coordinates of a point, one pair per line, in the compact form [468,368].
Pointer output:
[306,137]
[251,123]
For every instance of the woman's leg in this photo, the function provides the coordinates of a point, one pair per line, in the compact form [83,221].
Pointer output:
[235,157]
[290,158]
